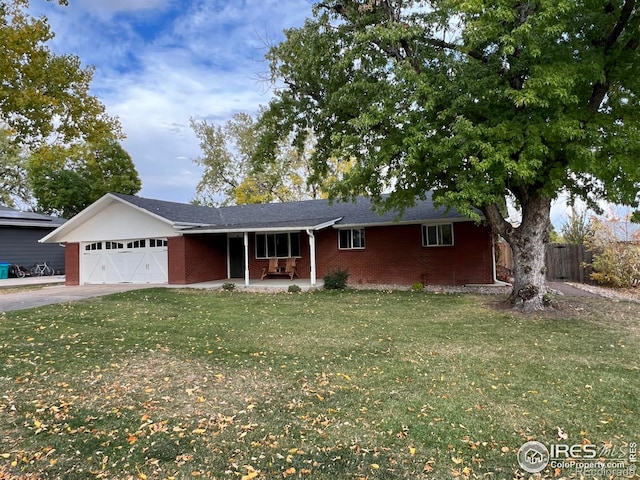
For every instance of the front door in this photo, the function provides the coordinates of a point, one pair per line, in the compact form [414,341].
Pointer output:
[236,257]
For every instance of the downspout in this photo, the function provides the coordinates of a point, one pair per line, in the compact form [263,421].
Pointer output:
[312,255]
[245,243]
[493,258]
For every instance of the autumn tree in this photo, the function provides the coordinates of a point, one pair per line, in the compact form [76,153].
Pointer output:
[44,97]
[578,226]
[232,177]
[13,186]
[66,180]
[480,102]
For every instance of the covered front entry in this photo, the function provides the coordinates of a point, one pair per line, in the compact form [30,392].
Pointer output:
[135,261]
[236,256]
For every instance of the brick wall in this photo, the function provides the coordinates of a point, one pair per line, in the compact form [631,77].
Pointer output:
[197,258]
[395,255]
[72,263]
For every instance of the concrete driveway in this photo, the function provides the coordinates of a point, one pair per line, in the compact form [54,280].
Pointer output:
[59,294]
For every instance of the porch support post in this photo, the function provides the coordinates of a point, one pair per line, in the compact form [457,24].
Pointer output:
[312,255]
[245,242]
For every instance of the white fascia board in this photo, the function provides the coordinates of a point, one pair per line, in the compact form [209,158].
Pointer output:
[91,210]
[319,226]
[437,221]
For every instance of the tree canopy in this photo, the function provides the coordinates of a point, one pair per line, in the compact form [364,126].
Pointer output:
[477,101]
[57,143]
[66,180]
[232,177]
[13,185]
[44,97]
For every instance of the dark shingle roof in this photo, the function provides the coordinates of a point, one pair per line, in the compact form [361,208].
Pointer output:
[301,214]
[16,218]
[175,212]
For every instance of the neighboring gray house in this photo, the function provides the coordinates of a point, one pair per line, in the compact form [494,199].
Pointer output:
[19,235]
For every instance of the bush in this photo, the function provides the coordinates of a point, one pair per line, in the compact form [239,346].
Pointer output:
[615,263]
[294,289]
[229,287]
[417,287]
[336,280]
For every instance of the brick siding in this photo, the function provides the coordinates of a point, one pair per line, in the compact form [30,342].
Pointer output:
[395,255]
[197,258]
[72,263]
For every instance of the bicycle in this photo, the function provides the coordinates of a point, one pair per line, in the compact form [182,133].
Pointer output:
[17,271]
[41,270]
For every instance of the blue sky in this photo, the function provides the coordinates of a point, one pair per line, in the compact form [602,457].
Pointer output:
[160,62]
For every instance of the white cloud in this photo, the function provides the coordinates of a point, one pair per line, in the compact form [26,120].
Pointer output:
[161,62]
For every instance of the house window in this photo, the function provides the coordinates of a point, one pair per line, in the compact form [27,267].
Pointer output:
[437,235]
[137,244]
[113,245]
[277,245]
[93,246]
[351,239]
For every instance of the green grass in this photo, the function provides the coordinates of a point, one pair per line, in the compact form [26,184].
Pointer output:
[167,383]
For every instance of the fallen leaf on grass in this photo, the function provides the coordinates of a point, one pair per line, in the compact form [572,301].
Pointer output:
[251,473]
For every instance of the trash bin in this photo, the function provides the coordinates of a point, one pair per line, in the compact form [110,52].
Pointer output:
[4,270]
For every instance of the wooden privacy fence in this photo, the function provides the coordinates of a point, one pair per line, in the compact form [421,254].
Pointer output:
[564,262]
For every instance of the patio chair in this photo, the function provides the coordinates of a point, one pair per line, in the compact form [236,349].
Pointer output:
[272,269]
[290,268]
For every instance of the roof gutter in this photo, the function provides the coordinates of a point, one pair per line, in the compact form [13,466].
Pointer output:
[433,221]
[296,228]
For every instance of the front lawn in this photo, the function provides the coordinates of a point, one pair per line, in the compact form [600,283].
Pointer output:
[168,383]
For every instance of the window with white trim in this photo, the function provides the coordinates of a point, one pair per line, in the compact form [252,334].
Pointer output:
[93,246]
[113,245]
[437,235]
[351,239]
[278,245]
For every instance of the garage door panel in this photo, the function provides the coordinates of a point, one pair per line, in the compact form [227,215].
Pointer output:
[114,267]
[158,262]
[92,267]
[139,264]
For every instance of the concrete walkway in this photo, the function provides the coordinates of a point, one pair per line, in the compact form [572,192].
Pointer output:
[570,290]
[49,295]
[30,296]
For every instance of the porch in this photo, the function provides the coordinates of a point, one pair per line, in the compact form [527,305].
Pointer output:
[268,285]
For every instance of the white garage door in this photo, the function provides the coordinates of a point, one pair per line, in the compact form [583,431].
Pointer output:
[136,261]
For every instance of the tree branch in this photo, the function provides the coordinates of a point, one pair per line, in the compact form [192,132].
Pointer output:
[600,89]
[494,216]
[293,86]
[623,21]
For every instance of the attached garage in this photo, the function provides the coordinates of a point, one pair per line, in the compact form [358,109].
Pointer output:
[142,260]
[114,241]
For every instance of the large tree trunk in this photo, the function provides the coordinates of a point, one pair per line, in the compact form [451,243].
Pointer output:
[528,243]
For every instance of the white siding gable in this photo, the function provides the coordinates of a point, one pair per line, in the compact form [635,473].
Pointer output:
[118,221]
